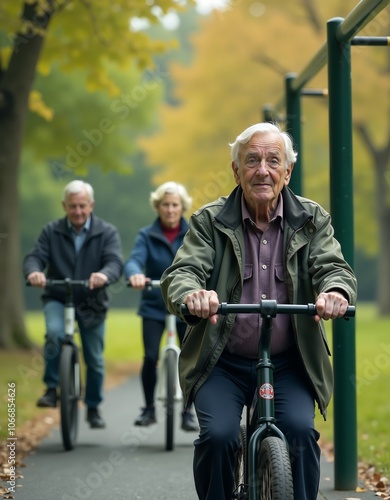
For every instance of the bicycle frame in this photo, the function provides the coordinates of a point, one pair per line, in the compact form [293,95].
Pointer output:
[70,320]
[264,417]
[260,418]
[171,345]
[69,366]
[170,326]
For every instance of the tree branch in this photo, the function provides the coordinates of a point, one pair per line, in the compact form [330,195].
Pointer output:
[365,137]
[94,23]
[312,15]
[271,63]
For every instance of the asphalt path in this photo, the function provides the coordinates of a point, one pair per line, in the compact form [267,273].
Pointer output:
[124,462]
[117,463]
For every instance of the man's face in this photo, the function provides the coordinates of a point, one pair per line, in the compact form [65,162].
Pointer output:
[78,208]
[262,171]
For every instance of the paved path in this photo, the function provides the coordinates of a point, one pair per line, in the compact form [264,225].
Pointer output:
[123,461]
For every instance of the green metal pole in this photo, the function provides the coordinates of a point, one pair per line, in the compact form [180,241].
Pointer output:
[293,127]
[341,193]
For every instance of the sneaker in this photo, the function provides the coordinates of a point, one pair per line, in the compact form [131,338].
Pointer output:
[147,417]
[188,423]
[95,419]
[48,400]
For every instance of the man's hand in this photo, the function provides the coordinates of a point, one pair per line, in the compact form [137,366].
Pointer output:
[330,305]
[97,280]
[37,279]
[203,304]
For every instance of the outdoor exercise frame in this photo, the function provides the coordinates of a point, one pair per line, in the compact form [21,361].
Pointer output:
[336,53]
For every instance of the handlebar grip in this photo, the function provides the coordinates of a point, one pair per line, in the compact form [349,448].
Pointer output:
[149,285]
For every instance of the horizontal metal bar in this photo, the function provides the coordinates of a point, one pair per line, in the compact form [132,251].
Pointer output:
[315,92]
[361,15]
[371,40]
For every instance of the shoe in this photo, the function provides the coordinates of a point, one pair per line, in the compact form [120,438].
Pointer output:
[188,423]
[147,417]
[95,419]
[48,400]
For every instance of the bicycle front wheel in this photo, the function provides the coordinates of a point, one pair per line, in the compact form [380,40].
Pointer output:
[274,480]
[170,370]
[69,394]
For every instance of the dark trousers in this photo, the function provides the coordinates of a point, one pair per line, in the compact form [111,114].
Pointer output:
[152,331]
[219,404]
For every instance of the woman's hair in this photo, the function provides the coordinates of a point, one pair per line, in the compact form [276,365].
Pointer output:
[170,188]
[76,187]
[264,128]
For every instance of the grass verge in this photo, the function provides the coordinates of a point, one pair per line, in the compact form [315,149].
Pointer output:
[123,354]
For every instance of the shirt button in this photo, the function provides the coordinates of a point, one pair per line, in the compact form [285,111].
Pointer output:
[263,296]
[265,242]
[264,266]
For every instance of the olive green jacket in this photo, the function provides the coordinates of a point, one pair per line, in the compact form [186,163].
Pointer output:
[212,257]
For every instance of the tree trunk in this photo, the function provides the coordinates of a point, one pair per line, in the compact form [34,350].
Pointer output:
[15,85]
[383,210]
[381,162]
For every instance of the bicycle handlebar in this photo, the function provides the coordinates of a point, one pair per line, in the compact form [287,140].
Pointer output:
[148,284]
[63,282]
[270,308]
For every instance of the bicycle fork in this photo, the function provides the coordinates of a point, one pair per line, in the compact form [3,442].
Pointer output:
[162,372]
[263,410]
[69,318]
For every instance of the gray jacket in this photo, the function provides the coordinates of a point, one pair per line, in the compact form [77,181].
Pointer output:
[54,253]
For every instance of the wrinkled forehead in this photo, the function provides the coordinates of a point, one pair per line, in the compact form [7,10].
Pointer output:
[77,198]
[265,143]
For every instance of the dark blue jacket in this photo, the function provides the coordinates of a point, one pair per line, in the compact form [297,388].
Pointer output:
[54,253]
[151,255]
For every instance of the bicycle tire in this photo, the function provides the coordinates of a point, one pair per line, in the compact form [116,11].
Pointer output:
[274,481]
[170,405]
[69,395]
[240,486]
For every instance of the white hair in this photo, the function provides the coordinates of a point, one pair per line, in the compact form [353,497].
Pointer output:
[170,188]
[264,128]
[75,187]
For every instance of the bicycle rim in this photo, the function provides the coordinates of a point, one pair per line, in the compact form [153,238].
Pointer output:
[170,372]
[69,395]
[240,487]
[274,471]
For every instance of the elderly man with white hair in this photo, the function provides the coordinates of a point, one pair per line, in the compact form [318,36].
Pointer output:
[79,246]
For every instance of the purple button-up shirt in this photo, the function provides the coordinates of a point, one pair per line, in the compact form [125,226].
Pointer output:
[263,279]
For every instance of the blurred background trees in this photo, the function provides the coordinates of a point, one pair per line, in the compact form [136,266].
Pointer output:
[127,109]
[241,57]
[106,57]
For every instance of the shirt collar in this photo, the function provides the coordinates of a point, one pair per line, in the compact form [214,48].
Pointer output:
[278,212]
[85,228]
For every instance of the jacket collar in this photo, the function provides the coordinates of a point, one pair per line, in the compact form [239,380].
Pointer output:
[294,212]
[157,231]
[94,227]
